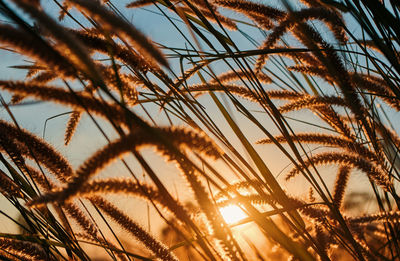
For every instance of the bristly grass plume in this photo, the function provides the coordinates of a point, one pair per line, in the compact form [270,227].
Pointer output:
[315,83]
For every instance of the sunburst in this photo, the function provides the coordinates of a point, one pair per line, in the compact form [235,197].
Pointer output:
[232,214]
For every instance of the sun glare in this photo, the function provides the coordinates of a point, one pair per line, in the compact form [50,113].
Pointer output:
[232,214]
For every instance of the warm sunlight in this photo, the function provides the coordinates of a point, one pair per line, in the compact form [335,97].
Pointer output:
[232,214]
[199,130]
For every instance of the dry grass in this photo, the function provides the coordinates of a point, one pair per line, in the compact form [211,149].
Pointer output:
[309,60]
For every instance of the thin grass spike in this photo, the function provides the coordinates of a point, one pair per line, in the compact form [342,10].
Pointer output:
[42,151]
[24,248]
[28,45]
[376,174]
[340,185]
[134,141]
[71,126]
[115,23]
[159,249]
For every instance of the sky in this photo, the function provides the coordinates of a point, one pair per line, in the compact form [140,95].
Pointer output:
[42,118]
[88,139]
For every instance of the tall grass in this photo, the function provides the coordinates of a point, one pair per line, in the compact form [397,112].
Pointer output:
[221,106]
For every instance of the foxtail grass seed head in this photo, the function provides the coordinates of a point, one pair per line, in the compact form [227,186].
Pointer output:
[341,184]
[158,248]
[24,249]
[8,186]
[113,22]
[291,77]
[134,141]
[28,45]
[373,172]
[34,147]
[71,126]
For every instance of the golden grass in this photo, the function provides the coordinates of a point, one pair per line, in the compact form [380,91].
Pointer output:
[309,60]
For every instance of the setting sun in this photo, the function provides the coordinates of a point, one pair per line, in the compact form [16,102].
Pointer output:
[200,130]
[232,214]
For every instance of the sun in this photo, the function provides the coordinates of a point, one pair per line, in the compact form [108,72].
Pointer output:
[232,214]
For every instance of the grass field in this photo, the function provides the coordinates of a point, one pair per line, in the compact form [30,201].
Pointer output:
[199,130]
